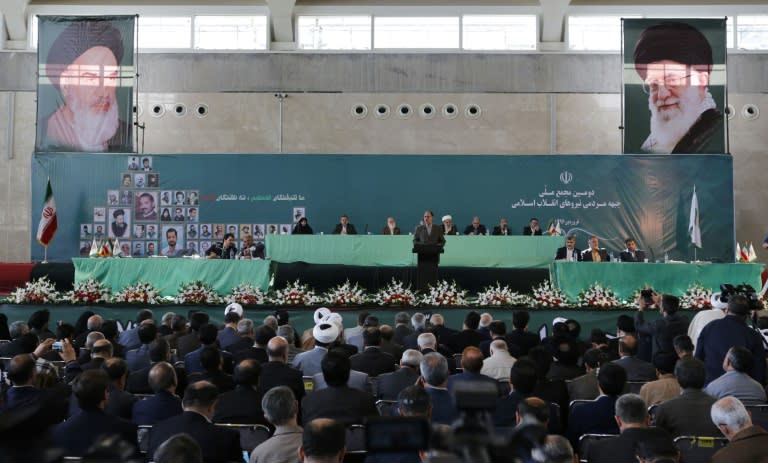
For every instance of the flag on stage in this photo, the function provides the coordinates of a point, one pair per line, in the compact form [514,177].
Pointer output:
[752,253]
[558,230]
[694,231]
[116,251]
[106,249]
[738,252]
[744,256]
[551,227]
[94,249]
[47,227]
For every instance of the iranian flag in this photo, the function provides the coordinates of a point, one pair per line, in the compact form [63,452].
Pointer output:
[48,225]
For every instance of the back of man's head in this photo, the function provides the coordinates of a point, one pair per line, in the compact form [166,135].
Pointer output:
[437,320]
[101,348]
[277,348]
[336,367]
[738,305]
[210,359]
[414,401]
[207,334]
[730,413]
[371,320]
[39,319]
[665,362]
[497,328]
[162,376]
[472,359]
[179,323]
[434,369]
[741,359]
[497,346]
[628,345]
[116,368]
[690,373]
[94,322]
[287,332]
[472,320]
[371,337]
[247,373]
[180,448]
[17,329]
[245,327]
[683,344]
[270,321]
[567,353]
[631,410]
[147,333]
[594,357]
[263,334]
[418,321]
[625,323]
[401,318]
[361,317]
[411,358]
[520,319]
[109,329]
[612,379]
[198,319]
[533,410]
[426,341]
[542,360]
[574,328]
[387,333]
[65,331]
[556,449]
[144,314]
[670,304]
[231,317]
[485,320]
[200,395]
[323,440]
[21,370]
[522,376]
[90,388]
[91,339]
[279,405]
[656,446]
[159,350]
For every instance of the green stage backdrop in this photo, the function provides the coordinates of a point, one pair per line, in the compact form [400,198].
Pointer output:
[647,197]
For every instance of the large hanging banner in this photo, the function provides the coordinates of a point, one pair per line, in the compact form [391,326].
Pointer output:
[674,86]
[85,84]
[172,204]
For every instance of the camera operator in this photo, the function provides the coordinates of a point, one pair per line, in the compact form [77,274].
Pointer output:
[663,330]
[223,250]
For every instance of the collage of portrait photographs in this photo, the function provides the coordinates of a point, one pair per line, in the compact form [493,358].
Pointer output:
[149,221]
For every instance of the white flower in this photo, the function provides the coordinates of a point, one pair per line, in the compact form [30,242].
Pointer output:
[295,294]
[444,293]
[245,294]
[40,291]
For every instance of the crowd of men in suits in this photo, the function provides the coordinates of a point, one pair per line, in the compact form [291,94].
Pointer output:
[192,374]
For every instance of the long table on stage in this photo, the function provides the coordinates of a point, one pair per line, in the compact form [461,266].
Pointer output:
[168,274]
[625,278]
[395,251]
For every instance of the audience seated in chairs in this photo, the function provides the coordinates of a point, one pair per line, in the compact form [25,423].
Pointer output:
[585,386]
[280,409]
[666,387]
[499,362]
[258,351]
[688,414]
[323,441]
[139,358]
[372,360]
[736,381]
[637,370]
[277,372]
[523,381]
[191,341]
[390,384]
[229,334]
[472,363]
[243,404]
[130,338]
[324,335]
[179,329]
[159,351]
[357,379]
[120,402]
[211,361]
[164,403]
[467,337]
[597,417]
[567,356]
[192,361]
[748,443]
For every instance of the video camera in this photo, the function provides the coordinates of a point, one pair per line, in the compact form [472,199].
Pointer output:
[728,291]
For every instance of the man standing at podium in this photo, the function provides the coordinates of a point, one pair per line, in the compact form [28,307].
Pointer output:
[428,233]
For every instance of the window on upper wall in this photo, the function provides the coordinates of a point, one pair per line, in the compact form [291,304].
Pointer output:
[594,33]
[751,32]
[499,32]
[334,32]
[165,32]
[416,32]
[231,32]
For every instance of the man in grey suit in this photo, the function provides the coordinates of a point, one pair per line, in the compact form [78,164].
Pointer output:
[390,384]
[637,370]
[429,234]
[585,387]
[687,415]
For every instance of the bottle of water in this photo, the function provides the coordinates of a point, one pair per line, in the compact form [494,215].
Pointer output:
[666,258]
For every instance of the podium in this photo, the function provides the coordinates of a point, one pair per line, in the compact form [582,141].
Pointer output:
[428,258]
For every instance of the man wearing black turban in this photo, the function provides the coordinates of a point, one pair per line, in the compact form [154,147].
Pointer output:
[84,65]
[675,62]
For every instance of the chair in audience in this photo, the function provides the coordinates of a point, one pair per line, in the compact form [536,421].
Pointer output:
[356,439]
[698,449]
[251,435]
[586,440]
[386,407]
[759,414]
[4,362]
[309,383]
[457,359]
[142,437]
[5,341]
[652,414]
[142,396]
[633,387]
[576,403]
[374,381]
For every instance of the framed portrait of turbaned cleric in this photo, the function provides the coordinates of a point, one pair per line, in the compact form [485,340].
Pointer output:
[85,87]
[674,86]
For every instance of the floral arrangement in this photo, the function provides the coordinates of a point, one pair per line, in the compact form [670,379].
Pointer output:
[89,291]
[394,294]
[598,296]
[245,294]
[501,296]
[139,293]
[696,297]
[295,294]
[443,294]
[346,294]
[547,296]
[40,291]
[197,292]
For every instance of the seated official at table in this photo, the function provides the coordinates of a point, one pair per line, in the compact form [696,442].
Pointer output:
[632,254]
[391,228]
[223,250]
[251,250]
[569,253]
[302,227]
[595,253]
[475,228]
[532,228]
[344,227]
[502,228]
[448,227]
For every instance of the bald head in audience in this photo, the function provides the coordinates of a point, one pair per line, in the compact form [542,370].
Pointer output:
[201,397]
[472,359]
[277,349]
[101,349]
[162,377]
[324,441]
[92,338]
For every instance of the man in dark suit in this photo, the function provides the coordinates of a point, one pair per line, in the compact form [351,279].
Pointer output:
[207,335]
[390,384]
[569,252]
[502,229]
[520,336]
[24,343]
[632,254]
[258,351]
[228,335]
[276,372]
[372,360]
[164,403]
[688,414]
[338,401]
[159,351]
[522,377]
[120,402]
[25,395]
[402,319]
[388,345]
[595,253]
[344,227]
[139,358]
[191,341]
[498,330]
[532,229]
[428,343]
[663,331]
[92,324]
[597,417]
[99,353]
[476,228]
[243,404]
[218,445]
[428,234]
[637,370]
[211,361]
[179,327]
[419,324]
[439,329]
[76,435]
[434,370]
[472,363]
[130,338]
[632,419]
[391,228]
[467,337]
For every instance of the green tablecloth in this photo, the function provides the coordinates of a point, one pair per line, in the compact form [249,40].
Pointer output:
[626,278]
[167,274]
[395,251]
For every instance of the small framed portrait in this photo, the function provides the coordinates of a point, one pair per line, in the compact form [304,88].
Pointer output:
[166,197]
[126,197]
[153,180]
[86,230]
[218,231]
[193,198]
[98,231]
[272,229]
[258,231]
[125,248]
[113,197]
[145,206]
[179,198]
[139,231]
[232,228]
[192,248]
[126,180]
[85,248]
[150,248]
[172,240]
[298,213]
[140,180]
[192,233]
[205,231]
[204,247]
[245,229]
[178,214]
[285,229]
[151,231]
[192,214]
[99,214]
[133,163]
[165,214]
[146,163]
[119,222]
[138,249]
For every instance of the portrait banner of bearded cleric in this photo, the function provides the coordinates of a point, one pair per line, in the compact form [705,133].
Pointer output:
[85,84]
[674,86]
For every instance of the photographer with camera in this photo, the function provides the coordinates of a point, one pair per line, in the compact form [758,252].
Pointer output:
[663,330]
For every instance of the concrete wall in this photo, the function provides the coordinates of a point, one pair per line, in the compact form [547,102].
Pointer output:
[529,103]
